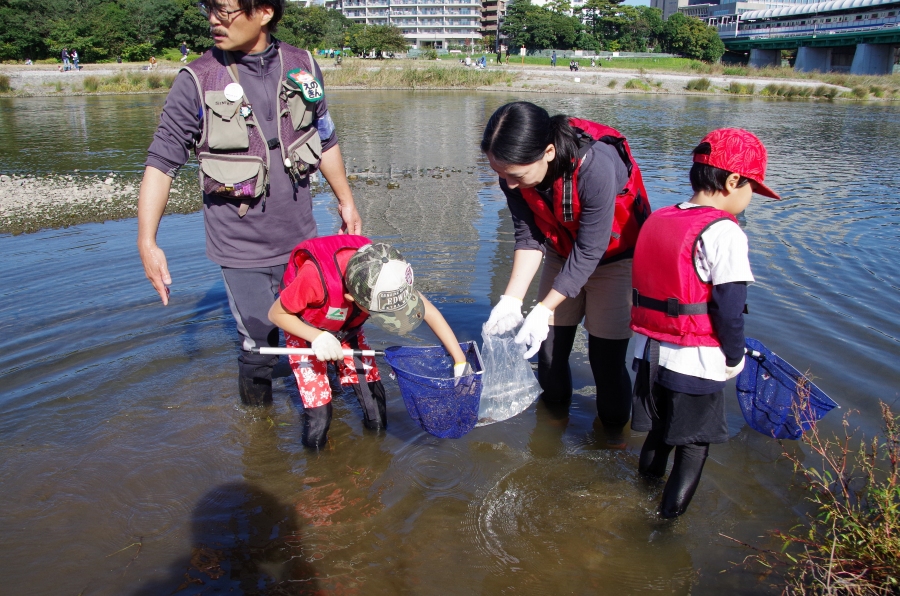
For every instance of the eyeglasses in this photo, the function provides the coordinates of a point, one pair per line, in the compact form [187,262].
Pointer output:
[222,14]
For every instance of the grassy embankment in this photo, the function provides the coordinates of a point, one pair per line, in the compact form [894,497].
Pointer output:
[128,82]
[404,75]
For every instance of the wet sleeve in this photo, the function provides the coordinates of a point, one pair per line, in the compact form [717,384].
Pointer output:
[324,123]
[528,235]
[599,182]
[726,310]
[179,127]
[306,289]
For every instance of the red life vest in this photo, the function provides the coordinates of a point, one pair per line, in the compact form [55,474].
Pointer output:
[559,223]
[335,313]
[669,300]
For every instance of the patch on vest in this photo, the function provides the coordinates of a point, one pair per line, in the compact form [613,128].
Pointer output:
[306,83]
[336,314]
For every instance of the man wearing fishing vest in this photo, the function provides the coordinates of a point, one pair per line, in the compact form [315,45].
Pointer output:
[254,112]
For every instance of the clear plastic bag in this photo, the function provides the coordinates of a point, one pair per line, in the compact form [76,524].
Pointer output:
[509,385]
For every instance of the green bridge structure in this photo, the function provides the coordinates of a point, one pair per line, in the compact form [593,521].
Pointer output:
[855,36]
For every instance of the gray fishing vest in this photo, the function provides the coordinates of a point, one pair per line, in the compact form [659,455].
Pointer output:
[233,155]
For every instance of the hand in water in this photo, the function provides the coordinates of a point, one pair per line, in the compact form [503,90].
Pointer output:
[157,270]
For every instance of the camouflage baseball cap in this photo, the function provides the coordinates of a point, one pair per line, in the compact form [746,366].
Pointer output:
[381,283]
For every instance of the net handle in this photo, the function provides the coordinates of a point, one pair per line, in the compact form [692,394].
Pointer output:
[310,352]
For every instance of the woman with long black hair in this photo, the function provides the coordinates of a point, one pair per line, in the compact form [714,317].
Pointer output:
[577,202]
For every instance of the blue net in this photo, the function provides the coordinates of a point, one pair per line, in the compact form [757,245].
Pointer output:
[777,399]
[442,405]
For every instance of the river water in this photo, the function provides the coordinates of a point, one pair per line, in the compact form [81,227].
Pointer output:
[128,467]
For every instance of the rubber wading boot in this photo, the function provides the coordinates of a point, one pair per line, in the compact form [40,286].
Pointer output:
[255,391]
[316,422]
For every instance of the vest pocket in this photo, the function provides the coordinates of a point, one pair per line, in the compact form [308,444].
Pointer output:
[227,128]
[306,152]
[239,177]
[302,112]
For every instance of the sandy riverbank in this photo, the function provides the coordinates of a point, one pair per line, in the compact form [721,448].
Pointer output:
[30,203]
[46,80]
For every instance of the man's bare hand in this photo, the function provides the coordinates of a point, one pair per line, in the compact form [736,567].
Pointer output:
[157,270]
[352,222]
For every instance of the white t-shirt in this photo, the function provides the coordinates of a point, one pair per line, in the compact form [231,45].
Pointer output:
[722,257]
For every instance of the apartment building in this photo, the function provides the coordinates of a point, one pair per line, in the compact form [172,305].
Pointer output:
[424,23]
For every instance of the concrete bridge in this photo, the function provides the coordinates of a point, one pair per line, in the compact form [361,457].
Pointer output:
[856,36]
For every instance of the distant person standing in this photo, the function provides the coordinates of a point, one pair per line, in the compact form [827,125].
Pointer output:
[184,53]
[507,54]
[75,59]
[553,59]
[65,59]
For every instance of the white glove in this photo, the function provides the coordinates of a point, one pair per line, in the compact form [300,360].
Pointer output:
[505,317]
[327,347]
[535,329]
[733,371]
[461,369]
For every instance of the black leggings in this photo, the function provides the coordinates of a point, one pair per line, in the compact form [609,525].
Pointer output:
[607,358]
[686,471]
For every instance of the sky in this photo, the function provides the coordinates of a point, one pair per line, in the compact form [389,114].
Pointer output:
[637,2]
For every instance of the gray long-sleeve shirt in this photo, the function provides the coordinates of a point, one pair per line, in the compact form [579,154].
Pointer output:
[601,177]
[265,236]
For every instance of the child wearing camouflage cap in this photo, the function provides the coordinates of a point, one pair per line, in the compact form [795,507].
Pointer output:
[332,285]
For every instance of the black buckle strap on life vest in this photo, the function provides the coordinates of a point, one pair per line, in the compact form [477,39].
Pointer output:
[567,212]
[670,306]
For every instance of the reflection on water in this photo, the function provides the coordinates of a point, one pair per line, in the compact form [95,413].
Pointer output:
[127,466]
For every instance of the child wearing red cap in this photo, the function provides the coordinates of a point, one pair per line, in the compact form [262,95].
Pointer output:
[689,280]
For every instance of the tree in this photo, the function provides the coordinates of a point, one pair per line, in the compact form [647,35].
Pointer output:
[380,39]
[692,38]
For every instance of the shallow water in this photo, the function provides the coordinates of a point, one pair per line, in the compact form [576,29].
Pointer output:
[127,467]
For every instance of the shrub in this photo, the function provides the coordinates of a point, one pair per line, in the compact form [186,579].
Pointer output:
[91,84]
[698,84]
[851,542]
[860,92]
[637,84]
[741,89]
[735,71]
[137,53]
[430,54]
[4,84]
[154,81]
[876,90]
[612,84]
[59,86]
[135,79]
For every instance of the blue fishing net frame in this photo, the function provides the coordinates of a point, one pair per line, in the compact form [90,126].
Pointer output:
[442,405]
[776,399]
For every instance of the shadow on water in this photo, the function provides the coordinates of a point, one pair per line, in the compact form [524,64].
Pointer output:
[243,538]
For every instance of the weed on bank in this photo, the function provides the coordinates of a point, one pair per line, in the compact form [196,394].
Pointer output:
[850,543]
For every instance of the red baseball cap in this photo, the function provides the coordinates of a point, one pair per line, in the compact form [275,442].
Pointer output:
[739,151]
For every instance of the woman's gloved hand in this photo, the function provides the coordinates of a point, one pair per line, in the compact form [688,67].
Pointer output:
[535,329]
[461,369]
[327,347]
[505,317]
[733,371]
